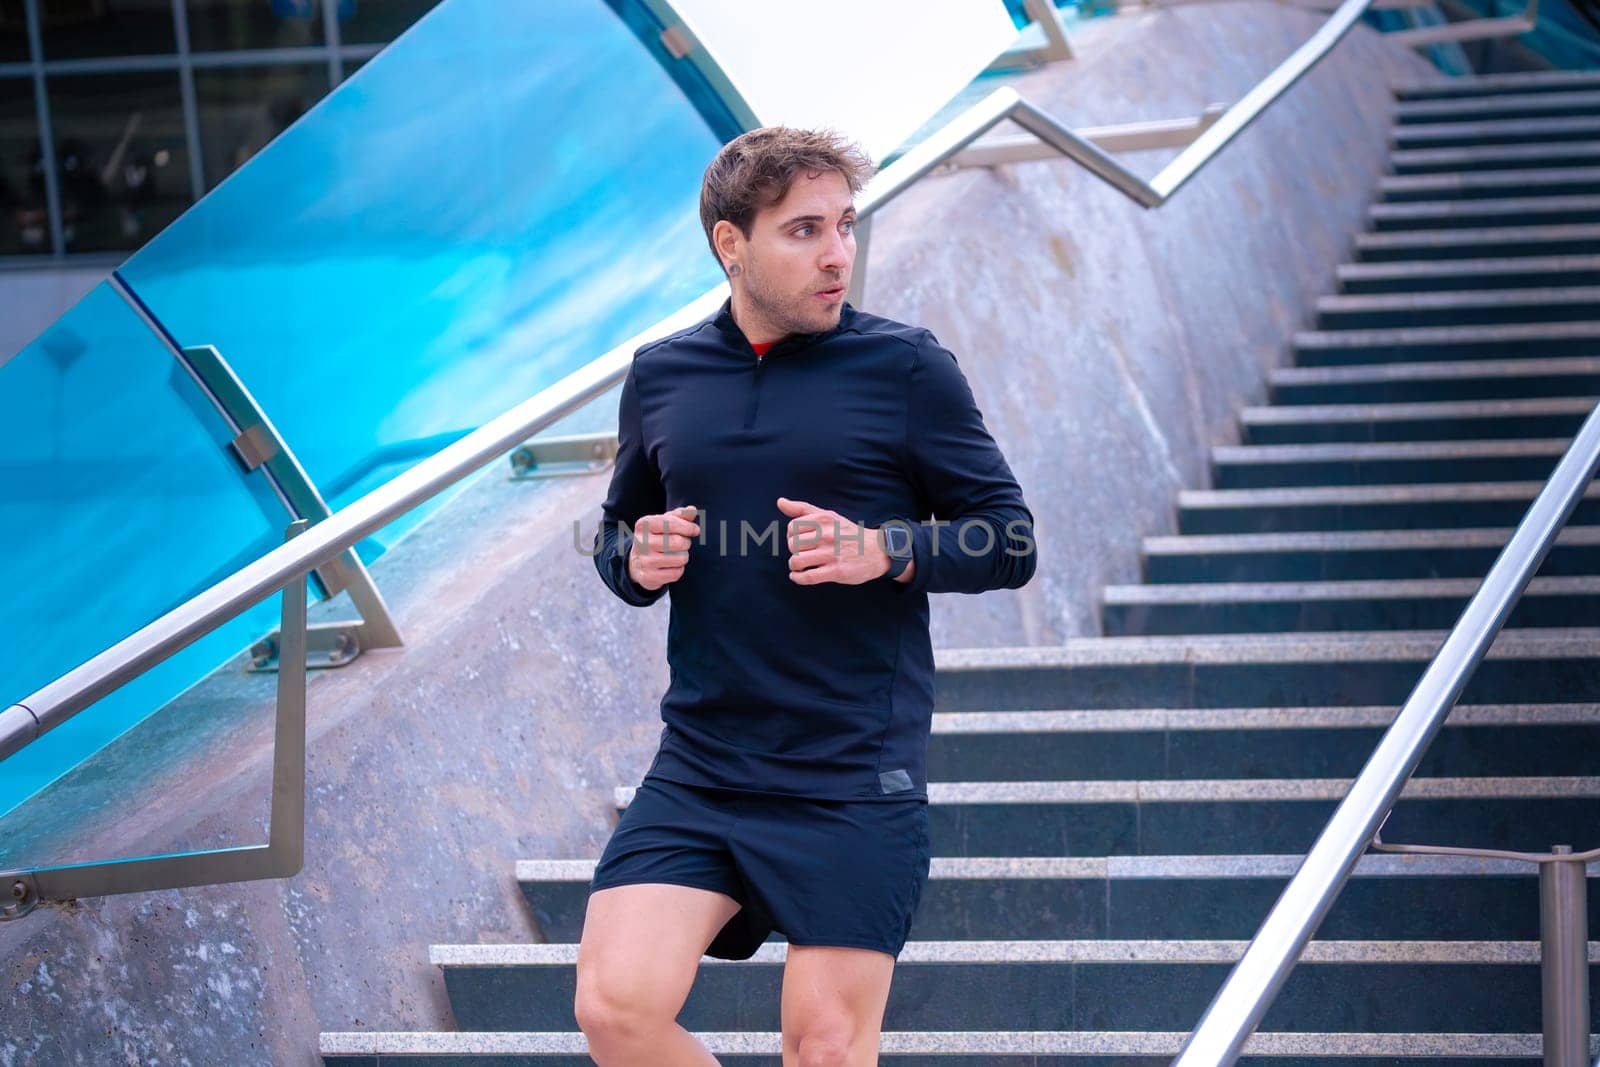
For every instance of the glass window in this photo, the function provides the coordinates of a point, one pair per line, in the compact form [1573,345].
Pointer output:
[216,25]
[379,21]
[120,154]
[23,224]
[243,108]
[91,551]
[13,32]
[78,29]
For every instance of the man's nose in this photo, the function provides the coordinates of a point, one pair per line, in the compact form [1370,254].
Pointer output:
[835,254]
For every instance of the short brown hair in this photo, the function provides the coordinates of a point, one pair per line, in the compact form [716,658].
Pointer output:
[755,170]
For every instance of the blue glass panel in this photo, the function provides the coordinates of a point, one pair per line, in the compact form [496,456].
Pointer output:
[500,196]
[108,454]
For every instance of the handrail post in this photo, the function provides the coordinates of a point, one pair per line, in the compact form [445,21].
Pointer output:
[1564,959]
[21,891]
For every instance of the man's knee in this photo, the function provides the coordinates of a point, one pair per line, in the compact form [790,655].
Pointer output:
[829,1045]
[616,1016]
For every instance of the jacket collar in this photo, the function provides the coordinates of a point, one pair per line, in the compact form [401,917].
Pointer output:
[795,341]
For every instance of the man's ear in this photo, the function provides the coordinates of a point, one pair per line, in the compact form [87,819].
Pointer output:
[725,235]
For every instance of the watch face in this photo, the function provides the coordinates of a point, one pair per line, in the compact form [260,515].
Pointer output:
[898,540]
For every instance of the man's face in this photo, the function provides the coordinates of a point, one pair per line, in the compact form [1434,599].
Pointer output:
[798,260]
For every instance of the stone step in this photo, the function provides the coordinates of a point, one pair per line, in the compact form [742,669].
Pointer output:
[1538,81]
[1433,380]
[1557,416]
[1426,505]
[1496,157]
[1471,986]
[1160,897]
[1354,554]
[1347,343]
[1358,604]
[949,1048]
[1575,239]
[1156,817]
[1471,186]
[1261,670]
[1577,304]
[1540,210]
[1446,275]
[1385,462]
[1231,743]
[1500,106]
[1494,132]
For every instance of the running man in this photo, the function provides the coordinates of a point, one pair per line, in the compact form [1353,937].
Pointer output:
[799,475]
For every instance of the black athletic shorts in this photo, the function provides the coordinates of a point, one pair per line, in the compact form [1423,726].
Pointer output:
[821,872]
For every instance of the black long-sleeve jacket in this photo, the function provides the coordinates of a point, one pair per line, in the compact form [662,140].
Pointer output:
[826,690]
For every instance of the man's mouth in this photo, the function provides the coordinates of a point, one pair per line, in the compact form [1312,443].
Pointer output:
[829,294]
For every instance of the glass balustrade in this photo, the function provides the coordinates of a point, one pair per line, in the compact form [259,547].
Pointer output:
[500,196]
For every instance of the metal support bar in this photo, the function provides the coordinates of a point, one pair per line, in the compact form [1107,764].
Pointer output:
[1564,959]
[294,486]
[259,445]
[281,857]
[1564,939]
[1127,137]
[1048,19]
[582,453]
[1468,30]
[1056,47]
[328,644]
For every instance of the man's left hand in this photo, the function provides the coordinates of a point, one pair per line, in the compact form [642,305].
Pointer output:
[827,547]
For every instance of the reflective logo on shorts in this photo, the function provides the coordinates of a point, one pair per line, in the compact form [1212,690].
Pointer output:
[894,781]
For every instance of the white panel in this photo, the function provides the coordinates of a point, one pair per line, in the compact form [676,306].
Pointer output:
[875,70]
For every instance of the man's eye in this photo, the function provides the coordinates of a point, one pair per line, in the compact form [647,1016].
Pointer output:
[850,223]
[805,227]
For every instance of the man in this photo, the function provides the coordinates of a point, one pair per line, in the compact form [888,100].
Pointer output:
[778,467]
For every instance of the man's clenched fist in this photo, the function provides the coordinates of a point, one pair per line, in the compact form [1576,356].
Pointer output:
[827,547]
[660,547]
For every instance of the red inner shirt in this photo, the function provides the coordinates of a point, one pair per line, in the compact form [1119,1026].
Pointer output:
[761,348]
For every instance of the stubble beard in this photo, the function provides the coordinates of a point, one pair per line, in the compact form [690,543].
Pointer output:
[789,316]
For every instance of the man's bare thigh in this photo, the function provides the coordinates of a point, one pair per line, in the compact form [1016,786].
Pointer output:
[643,942]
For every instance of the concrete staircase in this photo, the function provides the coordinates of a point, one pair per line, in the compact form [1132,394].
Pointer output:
[1112,818]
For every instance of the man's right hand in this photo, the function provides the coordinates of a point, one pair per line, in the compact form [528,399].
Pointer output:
[660,547]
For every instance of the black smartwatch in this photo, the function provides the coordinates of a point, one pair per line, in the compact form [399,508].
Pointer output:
[897,543]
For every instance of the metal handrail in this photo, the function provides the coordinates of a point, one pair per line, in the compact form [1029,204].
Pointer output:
[254,582]
[80,687]
[1237,1008]
[1005,104]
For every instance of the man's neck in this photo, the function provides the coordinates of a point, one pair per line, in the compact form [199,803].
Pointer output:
[751,325]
